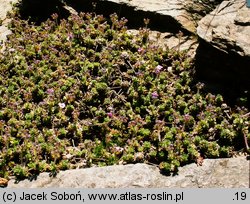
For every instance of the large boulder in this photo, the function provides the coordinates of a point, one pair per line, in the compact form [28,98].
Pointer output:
[166,15]
[173,9]
[214,173]
[228,27]
[223,57]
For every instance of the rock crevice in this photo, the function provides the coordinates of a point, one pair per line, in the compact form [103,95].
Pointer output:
[223,56]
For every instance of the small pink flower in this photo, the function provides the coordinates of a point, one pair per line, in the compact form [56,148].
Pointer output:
[110,114]
[30,68]
[50,91]
[155,95]
[141,50]
[70,36]
[158,69]
[119,149]
[186,117]
[139,73]
[54,16]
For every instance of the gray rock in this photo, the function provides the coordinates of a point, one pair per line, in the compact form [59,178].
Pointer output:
[175,9]
[214,173]
[228,27]
[178,42]
[223,55]
[6,6]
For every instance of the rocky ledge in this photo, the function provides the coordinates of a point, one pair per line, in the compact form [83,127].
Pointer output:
[5,6]
[214,173]
[223,56]
[228,28]
[175,10]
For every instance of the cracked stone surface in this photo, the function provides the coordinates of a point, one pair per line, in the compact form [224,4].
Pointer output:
[214,173]
[5,7]
[172,41]
[172,8]
[228,27]
[223,56]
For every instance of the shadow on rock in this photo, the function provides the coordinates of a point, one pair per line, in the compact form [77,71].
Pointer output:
[225,73]
[40,10]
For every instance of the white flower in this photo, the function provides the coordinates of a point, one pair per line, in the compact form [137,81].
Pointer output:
[12,50]
[119,149]
[124,55]
[158,69]
[170,69]
[61,105]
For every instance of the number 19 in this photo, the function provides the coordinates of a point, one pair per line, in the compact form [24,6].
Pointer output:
[241,196]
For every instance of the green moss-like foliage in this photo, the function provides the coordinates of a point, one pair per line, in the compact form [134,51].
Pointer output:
[84,92]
